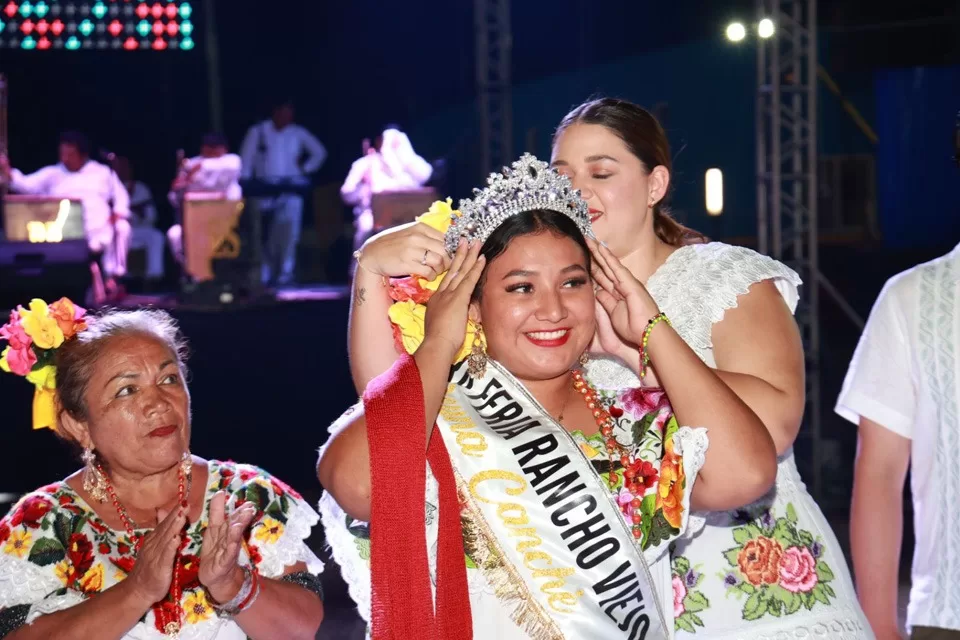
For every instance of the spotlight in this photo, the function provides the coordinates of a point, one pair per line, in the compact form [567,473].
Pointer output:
[765,28]
[736,32]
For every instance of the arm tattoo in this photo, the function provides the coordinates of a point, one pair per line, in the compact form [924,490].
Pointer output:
[361,295]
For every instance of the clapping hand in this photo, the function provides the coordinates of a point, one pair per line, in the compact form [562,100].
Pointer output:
[153,570]
[220,571]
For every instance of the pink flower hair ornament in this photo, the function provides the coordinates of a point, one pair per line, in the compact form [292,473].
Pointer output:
[33,335]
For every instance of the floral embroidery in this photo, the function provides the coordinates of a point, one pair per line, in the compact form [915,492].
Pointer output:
[55,529]
[778,567]
[660,468]
[687,600]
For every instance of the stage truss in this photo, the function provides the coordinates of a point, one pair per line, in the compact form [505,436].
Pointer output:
[493,42]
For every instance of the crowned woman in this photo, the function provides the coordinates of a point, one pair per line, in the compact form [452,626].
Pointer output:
[507,496]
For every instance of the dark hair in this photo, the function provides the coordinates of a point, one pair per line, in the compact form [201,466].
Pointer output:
[77,140]
[647,140]
[213,139]
[77,358]
[529,223]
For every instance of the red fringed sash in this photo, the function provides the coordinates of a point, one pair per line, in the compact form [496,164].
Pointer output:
[402,600]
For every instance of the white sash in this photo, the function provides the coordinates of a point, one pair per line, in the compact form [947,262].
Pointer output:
[563,554]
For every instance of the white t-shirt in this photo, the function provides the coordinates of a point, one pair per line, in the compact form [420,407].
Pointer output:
[904,376]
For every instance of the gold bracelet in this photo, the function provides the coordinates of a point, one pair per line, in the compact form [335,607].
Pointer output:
[383,279]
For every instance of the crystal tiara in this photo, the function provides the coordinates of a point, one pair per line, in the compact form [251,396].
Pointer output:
[529,184]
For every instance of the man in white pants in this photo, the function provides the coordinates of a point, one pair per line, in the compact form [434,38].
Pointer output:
[143,219]
[279,151]
[77,176]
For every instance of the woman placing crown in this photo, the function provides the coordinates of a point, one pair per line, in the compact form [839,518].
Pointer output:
[530,503]
[147,540]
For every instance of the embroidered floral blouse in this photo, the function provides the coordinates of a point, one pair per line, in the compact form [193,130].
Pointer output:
[55,551]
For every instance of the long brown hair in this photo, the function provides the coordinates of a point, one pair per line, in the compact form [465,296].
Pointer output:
[646,139]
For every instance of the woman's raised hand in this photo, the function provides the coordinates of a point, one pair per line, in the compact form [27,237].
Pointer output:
[409,249]
[623,298]
[220,570]
[153,571]
[448,308]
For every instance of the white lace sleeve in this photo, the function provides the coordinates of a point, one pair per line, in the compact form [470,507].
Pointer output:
[278,535]
[24,582]
[349,542]
[698,283]
[691,444]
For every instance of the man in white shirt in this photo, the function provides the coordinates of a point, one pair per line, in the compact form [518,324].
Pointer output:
[143,219]
[214,172]
[278,151]
[106,205]
[389,164]
[902,390]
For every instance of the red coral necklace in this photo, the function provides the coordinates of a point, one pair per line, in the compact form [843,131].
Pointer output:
[171,624]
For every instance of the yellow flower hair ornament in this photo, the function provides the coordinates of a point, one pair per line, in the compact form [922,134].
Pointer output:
[410,294]
[33,335]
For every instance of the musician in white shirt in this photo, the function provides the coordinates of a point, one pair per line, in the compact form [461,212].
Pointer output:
[106,227]
[215,172]
[389,164]
[143,219]
[278,151]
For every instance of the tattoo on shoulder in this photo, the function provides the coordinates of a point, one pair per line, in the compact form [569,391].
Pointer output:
[361,295]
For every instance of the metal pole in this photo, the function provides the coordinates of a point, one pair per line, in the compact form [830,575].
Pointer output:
[213,67]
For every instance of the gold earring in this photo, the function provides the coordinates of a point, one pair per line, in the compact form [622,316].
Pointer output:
[584,359]
[477,360]
[94,483]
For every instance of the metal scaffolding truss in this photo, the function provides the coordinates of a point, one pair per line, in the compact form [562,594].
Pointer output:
[786,123]
[494,43]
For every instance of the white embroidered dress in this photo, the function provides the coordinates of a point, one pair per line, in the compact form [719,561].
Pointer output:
[774,569]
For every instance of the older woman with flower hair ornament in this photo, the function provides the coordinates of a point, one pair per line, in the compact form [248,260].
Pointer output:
[147,540]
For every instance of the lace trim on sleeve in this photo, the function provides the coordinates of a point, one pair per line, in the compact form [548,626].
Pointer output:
[698,283]
[23,582]
[691,444]
[351,553]
[53,604]
[291,547]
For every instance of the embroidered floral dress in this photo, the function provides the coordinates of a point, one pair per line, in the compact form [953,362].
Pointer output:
[670,457]
[773,569]
[55,552]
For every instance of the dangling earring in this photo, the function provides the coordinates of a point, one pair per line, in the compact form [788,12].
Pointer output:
[477,360]
[584,359]
[93,481]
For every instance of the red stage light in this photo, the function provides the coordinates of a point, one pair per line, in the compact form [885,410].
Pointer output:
[115,28]
[172,29]
[159,44]
[42,27]
[157,10]
[143,11]
[44,43]
[130,43]
[57,27]
[172,11]
[27,27]
[157,28]
[11,9]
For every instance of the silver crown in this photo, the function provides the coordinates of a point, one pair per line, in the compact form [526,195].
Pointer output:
[528,185]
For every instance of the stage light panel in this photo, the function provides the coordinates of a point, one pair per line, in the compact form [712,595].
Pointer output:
[73,25]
